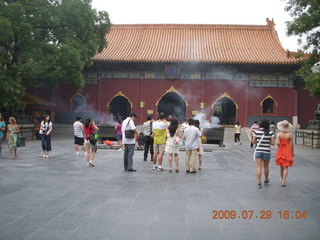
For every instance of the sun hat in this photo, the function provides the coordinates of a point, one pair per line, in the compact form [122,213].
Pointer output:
[284,126]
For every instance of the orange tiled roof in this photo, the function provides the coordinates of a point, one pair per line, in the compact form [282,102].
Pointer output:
[31,98]
[240,44]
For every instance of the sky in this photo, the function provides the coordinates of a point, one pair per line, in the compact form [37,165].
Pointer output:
[248,12]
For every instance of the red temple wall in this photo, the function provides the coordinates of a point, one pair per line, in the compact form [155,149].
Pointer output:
[62,97]
[290,102]
[306,106]
[282,96]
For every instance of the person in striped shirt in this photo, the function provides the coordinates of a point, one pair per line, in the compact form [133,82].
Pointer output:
[264,139]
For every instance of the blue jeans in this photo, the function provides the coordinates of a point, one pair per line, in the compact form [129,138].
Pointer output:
[263,155]
[128,156]
[46,142]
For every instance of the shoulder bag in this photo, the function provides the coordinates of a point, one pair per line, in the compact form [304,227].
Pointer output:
[129,133]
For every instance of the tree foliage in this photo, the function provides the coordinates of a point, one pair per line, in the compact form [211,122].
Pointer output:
[306,25]
[306,22]
[47,42]
[311,79]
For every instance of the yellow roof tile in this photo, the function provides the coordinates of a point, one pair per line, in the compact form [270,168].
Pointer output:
[242,44]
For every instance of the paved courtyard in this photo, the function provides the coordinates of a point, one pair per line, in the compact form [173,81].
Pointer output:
[60,198]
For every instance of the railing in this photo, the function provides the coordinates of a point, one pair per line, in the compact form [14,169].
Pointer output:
[308,137]
[27,131]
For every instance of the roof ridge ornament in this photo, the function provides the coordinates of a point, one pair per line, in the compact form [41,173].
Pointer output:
[270,23]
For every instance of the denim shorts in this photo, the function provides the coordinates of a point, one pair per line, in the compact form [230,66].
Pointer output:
[119,137]
[263,155]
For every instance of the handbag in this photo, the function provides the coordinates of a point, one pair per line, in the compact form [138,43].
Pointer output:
[96,136]
[128,133]
[176,140]
[92,140]
[18,143]
[203,139]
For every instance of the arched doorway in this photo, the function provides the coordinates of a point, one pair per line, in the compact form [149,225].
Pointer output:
[225,109]
[268,105]
[119,106]
[173,105]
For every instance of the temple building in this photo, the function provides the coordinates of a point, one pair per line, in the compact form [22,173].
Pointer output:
[234,72]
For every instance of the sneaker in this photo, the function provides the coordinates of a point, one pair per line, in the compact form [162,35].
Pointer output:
[91,164]
[160,169]
[259,185]
[154,168]
[120,149]
[266,181]
[47,156]
[77,153]
[43,155]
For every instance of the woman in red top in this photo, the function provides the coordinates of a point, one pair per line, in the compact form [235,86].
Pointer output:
[88,128]
[119,134]
[285,155]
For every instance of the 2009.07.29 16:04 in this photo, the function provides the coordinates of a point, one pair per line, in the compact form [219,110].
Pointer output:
[262,214]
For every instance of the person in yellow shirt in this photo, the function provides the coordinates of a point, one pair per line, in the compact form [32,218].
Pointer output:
[159,141]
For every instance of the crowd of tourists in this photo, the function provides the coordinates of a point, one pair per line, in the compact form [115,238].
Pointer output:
[156,138]
[161,136]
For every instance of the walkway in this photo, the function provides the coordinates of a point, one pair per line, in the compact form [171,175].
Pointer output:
[60,198]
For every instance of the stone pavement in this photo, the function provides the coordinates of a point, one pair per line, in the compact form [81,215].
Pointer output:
[60,198]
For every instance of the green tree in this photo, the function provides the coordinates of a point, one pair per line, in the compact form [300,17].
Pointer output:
[306,25]
[47,42]
[311,79]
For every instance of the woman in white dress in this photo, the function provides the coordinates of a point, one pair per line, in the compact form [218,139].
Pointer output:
[172,144]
